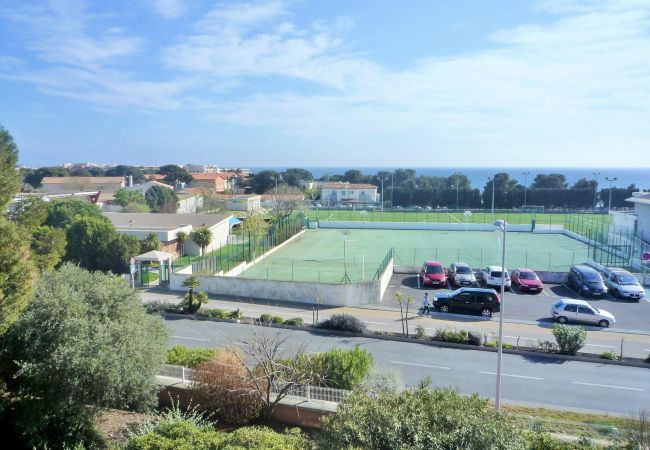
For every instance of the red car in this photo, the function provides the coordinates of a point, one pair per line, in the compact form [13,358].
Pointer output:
[526,280]
[433,274]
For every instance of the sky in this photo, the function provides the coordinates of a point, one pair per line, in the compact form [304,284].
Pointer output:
[306,83]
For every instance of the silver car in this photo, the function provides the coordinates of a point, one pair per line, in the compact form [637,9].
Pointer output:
[569,310]
[461,274]
[623,284]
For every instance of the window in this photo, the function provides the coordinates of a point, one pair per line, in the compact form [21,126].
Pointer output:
[571,308]
[463,270]
[434,269]
[585,310]
[465,297]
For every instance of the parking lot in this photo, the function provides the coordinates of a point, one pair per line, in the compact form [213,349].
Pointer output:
[531,307]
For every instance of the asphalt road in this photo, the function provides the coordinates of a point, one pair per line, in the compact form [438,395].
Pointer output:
[533,381]
[534,307]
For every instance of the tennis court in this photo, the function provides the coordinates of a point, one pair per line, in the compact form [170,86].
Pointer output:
[339,255]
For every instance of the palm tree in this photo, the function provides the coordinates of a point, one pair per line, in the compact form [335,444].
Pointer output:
[202,238]
[181,237]
[151,242]
[191,283]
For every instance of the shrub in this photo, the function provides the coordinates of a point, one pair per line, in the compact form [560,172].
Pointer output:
[343,322]
[217,313]
[447,335]
[236,314]
[225,386]
[420,332]
[381,380]
[547,346]
[345,369]
[265,438]
[474,338]
[266,318]
[637,432]
[181,355]
[277,320]
[295,321]
[569,338]
[418,418]
[495,344]
[544,441]
[609,355]
[157,307]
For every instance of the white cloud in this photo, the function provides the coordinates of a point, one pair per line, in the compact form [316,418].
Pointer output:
[169,9]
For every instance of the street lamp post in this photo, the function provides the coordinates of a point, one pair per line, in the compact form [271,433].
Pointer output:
[392,188]
[382,199]
[493,180]
[596,174]
[503,225]
[611,183]
[457,186]
[525,186]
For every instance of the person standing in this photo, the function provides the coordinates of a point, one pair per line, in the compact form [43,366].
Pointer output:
[425,304]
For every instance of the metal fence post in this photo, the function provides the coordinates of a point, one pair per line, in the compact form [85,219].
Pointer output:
[183,373]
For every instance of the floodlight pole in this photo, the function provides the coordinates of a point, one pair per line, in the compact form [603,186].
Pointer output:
[503,225]
[611,182]
[525,186]
[596,188]
[382,199]
[493,182]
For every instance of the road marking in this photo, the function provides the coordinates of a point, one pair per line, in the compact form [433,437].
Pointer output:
[190,338]
[513,376]
[545,293]
[609,386]
[392,285]
[600,345]
[420,365]
[375,323]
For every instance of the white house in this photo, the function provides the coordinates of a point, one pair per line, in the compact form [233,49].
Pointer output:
[641,202]
[349,193]
[189,203]
[243,203]
[166,227]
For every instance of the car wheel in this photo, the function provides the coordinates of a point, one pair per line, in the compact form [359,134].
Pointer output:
[603,323]
[561,319]
[444,308]
[486,312]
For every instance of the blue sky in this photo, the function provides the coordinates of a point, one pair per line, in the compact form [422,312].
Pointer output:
[544,83]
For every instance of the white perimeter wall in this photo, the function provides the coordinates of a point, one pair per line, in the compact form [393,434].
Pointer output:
[418,226]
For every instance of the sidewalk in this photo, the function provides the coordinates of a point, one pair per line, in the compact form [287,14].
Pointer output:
[515,332]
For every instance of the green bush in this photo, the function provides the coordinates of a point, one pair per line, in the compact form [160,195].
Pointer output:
[264,438]
[236,314]
[609,355]
[495,344]
[181,355]
[157,307]
[345,369]
[277,320]
[474,338]
[266,318]
[447,335]
[420,332]
[343,322]
[544,441]
[296,321]
[569,338]
[217,313]
[419,419]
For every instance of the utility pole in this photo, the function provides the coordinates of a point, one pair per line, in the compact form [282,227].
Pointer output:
[392,188]
[525,186]
[493,180]
[596,174]
[611,183]
[382,199]
[457,186]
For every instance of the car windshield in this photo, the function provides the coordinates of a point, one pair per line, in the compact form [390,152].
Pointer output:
[496,273]
[592,277]
[463,270]
[434,269]
[627,279]
[527,276]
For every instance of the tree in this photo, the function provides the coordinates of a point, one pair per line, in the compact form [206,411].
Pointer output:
[191,283]
[17,274]
[136,208]
[62,212]
[85,342]
[48,247]
[125,171]
[503,185]
[262,181]
[353,176]
[89,240]
[255,224]
[161,199]
[286,199]
[202,237]
[549,181]
[30,213]
[174,174]
[151,242]
[583,183]
[10,179]
[419,418]
[294,176]
[125,196]
[181,238]
[121,249]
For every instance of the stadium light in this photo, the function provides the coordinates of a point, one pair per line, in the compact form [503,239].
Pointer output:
[611,183]
[525,186]
[503,226]
[596,188]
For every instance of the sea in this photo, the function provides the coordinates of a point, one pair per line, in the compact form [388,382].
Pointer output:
[479,176]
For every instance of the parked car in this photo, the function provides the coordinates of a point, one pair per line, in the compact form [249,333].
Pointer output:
[623,284]
[461,274]
[568,310]
[433,274]
[492,277]
[484,301]
[527,281]
[587,281]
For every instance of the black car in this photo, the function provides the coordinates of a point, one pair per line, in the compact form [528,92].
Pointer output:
[484,301]
[587,281]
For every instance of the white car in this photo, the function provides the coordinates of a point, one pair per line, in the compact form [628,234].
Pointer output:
[568,310]
[622,284]
[492,277]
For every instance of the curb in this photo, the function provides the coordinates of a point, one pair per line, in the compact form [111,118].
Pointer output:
[629,362]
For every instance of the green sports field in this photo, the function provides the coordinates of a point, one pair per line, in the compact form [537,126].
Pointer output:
[318,255]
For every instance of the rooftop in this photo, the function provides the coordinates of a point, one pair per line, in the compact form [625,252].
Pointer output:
[643,199]
[208,176]
[349,186]
[75,180]
[156,221]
